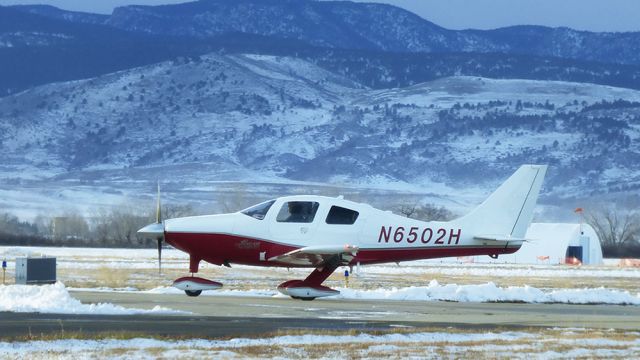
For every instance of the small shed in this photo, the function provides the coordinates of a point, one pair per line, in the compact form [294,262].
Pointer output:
[556,243]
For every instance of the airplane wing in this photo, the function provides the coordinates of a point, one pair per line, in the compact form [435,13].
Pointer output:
[316,255]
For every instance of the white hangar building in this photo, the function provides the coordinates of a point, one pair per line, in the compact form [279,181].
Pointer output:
[555,244]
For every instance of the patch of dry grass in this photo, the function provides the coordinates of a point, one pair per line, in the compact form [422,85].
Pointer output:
[112,277]
[528,342]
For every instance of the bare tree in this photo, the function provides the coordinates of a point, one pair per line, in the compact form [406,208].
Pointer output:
[10,224]
[125,223]
[426,212]
[614,227]
[100,224]
[43,225]
[70,225]
[233,198]
[170,211]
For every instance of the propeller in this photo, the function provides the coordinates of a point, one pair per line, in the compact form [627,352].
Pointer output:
[159,238]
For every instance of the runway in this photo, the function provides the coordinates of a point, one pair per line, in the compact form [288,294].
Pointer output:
[225,316]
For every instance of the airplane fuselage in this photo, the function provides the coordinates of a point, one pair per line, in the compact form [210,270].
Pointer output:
[380,236]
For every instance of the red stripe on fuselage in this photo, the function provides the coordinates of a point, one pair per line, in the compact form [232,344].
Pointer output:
[218,248]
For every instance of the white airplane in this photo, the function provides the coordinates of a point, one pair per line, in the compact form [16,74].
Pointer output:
[324,233]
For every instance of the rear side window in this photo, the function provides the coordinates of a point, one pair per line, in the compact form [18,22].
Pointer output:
[259,211]
[298,212]
[341,216]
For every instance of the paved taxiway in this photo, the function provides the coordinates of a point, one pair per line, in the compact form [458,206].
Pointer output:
[220,316]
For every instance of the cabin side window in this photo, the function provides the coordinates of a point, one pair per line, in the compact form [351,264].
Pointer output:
[259,211]
[341,216]
[298,212]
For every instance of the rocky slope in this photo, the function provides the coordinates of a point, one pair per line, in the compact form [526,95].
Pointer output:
[256,119]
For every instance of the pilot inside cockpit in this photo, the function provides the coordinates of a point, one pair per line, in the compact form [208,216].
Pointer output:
[298,212]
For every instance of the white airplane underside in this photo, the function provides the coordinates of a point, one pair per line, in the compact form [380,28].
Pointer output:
[325,233]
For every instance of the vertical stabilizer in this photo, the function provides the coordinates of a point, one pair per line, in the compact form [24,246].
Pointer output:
[509,210]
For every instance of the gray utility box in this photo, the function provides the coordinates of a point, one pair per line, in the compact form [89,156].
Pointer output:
[36,270]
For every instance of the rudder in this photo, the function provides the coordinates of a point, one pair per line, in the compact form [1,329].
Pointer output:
[508,211]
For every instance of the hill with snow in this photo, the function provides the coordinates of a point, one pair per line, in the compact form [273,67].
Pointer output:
[285,122]
[267,97]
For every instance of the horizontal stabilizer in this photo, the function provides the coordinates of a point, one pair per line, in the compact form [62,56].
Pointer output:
[499,239]
[315,255]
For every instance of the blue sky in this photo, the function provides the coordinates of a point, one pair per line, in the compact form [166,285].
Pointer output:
[593,15]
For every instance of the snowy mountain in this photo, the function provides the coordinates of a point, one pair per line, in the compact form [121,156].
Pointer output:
[269,97]
[59,14]
[366,26]
[36,50]
[281,120]
[373,44]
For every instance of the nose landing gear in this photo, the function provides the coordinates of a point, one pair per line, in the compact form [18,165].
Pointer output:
[193,285]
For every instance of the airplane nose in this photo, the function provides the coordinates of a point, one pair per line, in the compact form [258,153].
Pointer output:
[154,230]
[202,237]
[209,224]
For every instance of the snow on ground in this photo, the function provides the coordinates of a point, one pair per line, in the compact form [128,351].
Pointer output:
[488,292]
[502,270]
[140,343]
[91,258]
[464,282]
[547,344]
[55,298]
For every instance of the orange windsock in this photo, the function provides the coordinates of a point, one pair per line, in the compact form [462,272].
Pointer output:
[578,210]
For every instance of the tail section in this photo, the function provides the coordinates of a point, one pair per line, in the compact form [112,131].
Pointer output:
[507,213]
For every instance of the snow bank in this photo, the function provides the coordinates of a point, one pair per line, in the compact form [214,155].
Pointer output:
[489,292]
[56,299]
[502,270]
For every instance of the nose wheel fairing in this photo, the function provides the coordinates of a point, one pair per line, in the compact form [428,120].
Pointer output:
[193,285]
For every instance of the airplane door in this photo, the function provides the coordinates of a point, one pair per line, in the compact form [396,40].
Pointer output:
[341,225]
[295,221]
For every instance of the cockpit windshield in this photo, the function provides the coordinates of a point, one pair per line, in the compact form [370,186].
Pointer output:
[259,211]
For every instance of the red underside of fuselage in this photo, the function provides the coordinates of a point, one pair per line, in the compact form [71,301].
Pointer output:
[223,248]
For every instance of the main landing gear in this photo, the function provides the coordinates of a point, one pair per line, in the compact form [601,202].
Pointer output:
[311,287]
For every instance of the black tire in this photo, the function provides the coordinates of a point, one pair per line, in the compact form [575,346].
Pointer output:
[307,298]
[193,292]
